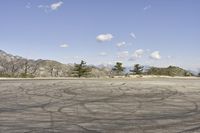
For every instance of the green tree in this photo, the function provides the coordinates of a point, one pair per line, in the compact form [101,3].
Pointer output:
[81,69]
[138,69]
[118,68]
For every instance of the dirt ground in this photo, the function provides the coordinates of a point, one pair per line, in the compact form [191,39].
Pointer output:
[157,105]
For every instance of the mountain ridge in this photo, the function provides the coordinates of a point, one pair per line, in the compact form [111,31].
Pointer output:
[17,66]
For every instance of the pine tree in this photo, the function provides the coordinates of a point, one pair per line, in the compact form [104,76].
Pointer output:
[118,68]
[81,69]
[138,69]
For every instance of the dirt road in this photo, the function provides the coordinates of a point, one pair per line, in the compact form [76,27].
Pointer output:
[100,106]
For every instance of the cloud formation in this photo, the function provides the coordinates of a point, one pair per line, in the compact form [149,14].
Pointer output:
[51,7]
[121,44]
[155,55]
[104,37]
[64,45]
[55,6]
[137,54]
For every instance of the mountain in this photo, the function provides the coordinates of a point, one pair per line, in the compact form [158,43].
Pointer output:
[8,57]
[16,66]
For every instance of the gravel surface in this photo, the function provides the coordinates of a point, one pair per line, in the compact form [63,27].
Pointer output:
[157,105]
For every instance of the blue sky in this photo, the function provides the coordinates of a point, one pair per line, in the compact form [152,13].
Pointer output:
[150,32]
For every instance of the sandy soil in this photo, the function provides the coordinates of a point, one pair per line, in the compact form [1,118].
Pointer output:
[153,105]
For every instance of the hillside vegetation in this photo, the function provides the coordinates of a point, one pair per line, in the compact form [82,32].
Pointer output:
[169,71]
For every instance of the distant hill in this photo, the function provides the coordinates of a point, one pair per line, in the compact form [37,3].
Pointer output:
[169,71]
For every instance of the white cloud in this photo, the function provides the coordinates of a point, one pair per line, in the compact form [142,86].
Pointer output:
[133,35]
[55,6]
[103,54]
[104,37]
[120,44]
[155,55]
[147,7]
[64,45]
[122,54]
[137,54]
[52,7]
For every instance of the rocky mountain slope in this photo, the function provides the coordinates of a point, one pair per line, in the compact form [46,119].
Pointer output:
[16,66]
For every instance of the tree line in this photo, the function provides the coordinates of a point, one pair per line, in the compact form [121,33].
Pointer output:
[139,70]
[81,69]
[118,70]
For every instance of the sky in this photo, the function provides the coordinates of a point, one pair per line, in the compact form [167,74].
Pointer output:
[149,32]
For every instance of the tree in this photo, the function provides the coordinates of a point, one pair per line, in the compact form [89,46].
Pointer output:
[138,69]
[14,67]
[81,69]
[199,74]
[29,68]
[118,68]
[51,68]
[25,67]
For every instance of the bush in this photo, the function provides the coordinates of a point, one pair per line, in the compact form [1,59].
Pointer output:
[169,71]
[4,75]
[24,75]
